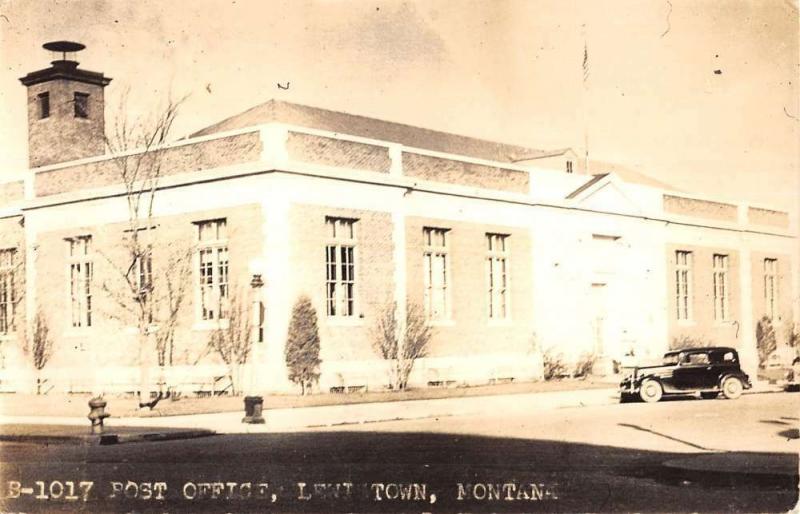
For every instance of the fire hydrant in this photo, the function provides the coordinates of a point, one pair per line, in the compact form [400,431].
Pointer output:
[97,414]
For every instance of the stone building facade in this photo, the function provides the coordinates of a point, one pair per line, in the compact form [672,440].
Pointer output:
[509,251]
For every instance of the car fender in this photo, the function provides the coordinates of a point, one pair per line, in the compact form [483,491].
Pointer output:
[652,376]
[741,376]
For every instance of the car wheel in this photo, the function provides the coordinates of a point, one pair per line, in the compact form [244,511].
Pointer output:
[709,396]
[651,391]
[732,388]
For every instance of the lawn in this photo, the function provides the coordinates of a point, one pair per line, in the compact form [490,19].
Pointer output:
[76,404]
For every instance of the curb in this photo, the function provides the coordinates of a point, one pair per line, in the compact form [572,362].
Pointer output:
[106,439]
[147,437]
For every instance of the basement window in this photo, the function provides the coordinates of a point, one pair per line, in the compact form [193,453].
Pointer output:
[44,105]
[81,105]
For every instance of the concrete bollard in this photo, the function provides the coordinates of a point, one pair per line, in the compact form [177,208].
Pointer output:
[253,407]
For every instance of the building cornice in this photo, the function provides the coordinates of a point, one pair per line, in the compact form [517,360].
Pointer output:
[410,184]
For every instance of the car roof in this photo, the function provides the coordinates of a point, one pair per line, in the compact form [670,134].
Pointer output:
[702,349]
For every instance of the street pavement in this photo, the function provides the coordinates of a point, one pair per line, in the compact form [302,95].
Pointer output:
[512,456]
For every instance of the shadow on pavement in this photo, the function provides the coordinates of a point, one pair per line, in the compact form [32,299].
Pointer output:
[82,435]
[392,471]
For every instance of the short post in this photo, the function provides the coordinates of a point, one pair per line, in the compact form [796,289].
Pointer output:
[97,414]
[253,410]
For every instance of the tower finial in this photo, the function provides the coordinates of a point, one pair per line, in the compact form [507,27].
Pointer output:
[64,47]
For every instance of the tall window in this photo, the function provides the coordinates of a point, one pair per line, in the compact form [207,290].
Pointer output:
[569,166]
[7,292]
[143,267]
[721,308]
[683,284]
[771,288]
[437,304]
[497,275]
[340,267]
[81,105]
[44,105]
[80,280]
[212,272]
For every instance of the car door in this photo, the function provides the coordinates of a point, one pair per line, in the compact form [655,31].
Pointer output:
[719,366]
[692,371]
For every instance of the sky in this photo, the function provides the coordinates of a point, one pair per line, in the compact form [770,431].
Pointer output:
[700,94]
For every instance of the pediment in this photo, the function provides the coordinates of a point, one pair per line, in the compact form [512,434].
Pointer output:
[608,196]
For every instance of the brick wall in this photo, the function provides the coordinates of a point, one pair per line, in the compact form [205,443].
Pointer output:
[110,333]
[349,338]
[224,151]
[702,325]
[768,217]
[61,136]
[464,173]
[471,331]
[336,152]
[700,208]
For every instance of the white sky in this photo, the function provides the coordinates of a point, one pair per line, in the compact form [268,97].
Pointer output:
[501,70]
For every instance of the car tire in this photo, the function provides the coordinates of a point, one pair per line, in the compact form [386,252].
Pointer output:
[651,391]
[732,388]
[709,395]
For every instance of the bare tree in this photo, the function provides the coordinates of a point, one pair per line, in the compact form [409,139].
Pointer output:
[233,339]
[401,342]
[149,294]
[40,347]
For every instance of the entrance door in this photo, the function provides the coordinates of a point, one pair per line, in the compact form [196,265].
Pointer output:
[599,316]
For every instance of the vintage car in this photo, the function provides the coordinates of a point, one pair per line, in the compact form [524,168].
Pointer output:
[791,381]
[708,371]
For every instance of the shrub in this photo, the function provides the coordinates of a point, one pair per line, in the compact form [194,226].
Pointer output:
[765,340]
[553,364]
[687,341]
[793,337]
[584,364]
[302,345]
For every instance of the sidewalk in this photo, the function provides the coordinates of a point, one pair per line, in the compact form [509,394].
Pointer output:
[298,418]
[280,420]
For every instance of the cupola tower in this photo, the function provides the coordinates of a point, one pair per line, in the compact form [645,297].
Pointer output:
[66,110]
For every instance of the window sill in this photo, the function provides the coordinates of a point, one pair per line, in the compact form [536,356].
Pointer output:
[208,325]
[686,323]
[496,322]
[344,321]
[8,336]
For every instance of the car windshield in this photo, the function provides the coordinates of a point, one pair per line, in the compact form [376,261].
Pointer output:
[670,359]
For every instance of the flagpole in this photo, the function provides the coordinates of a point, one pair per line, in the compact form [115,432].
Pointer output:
[584,98]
